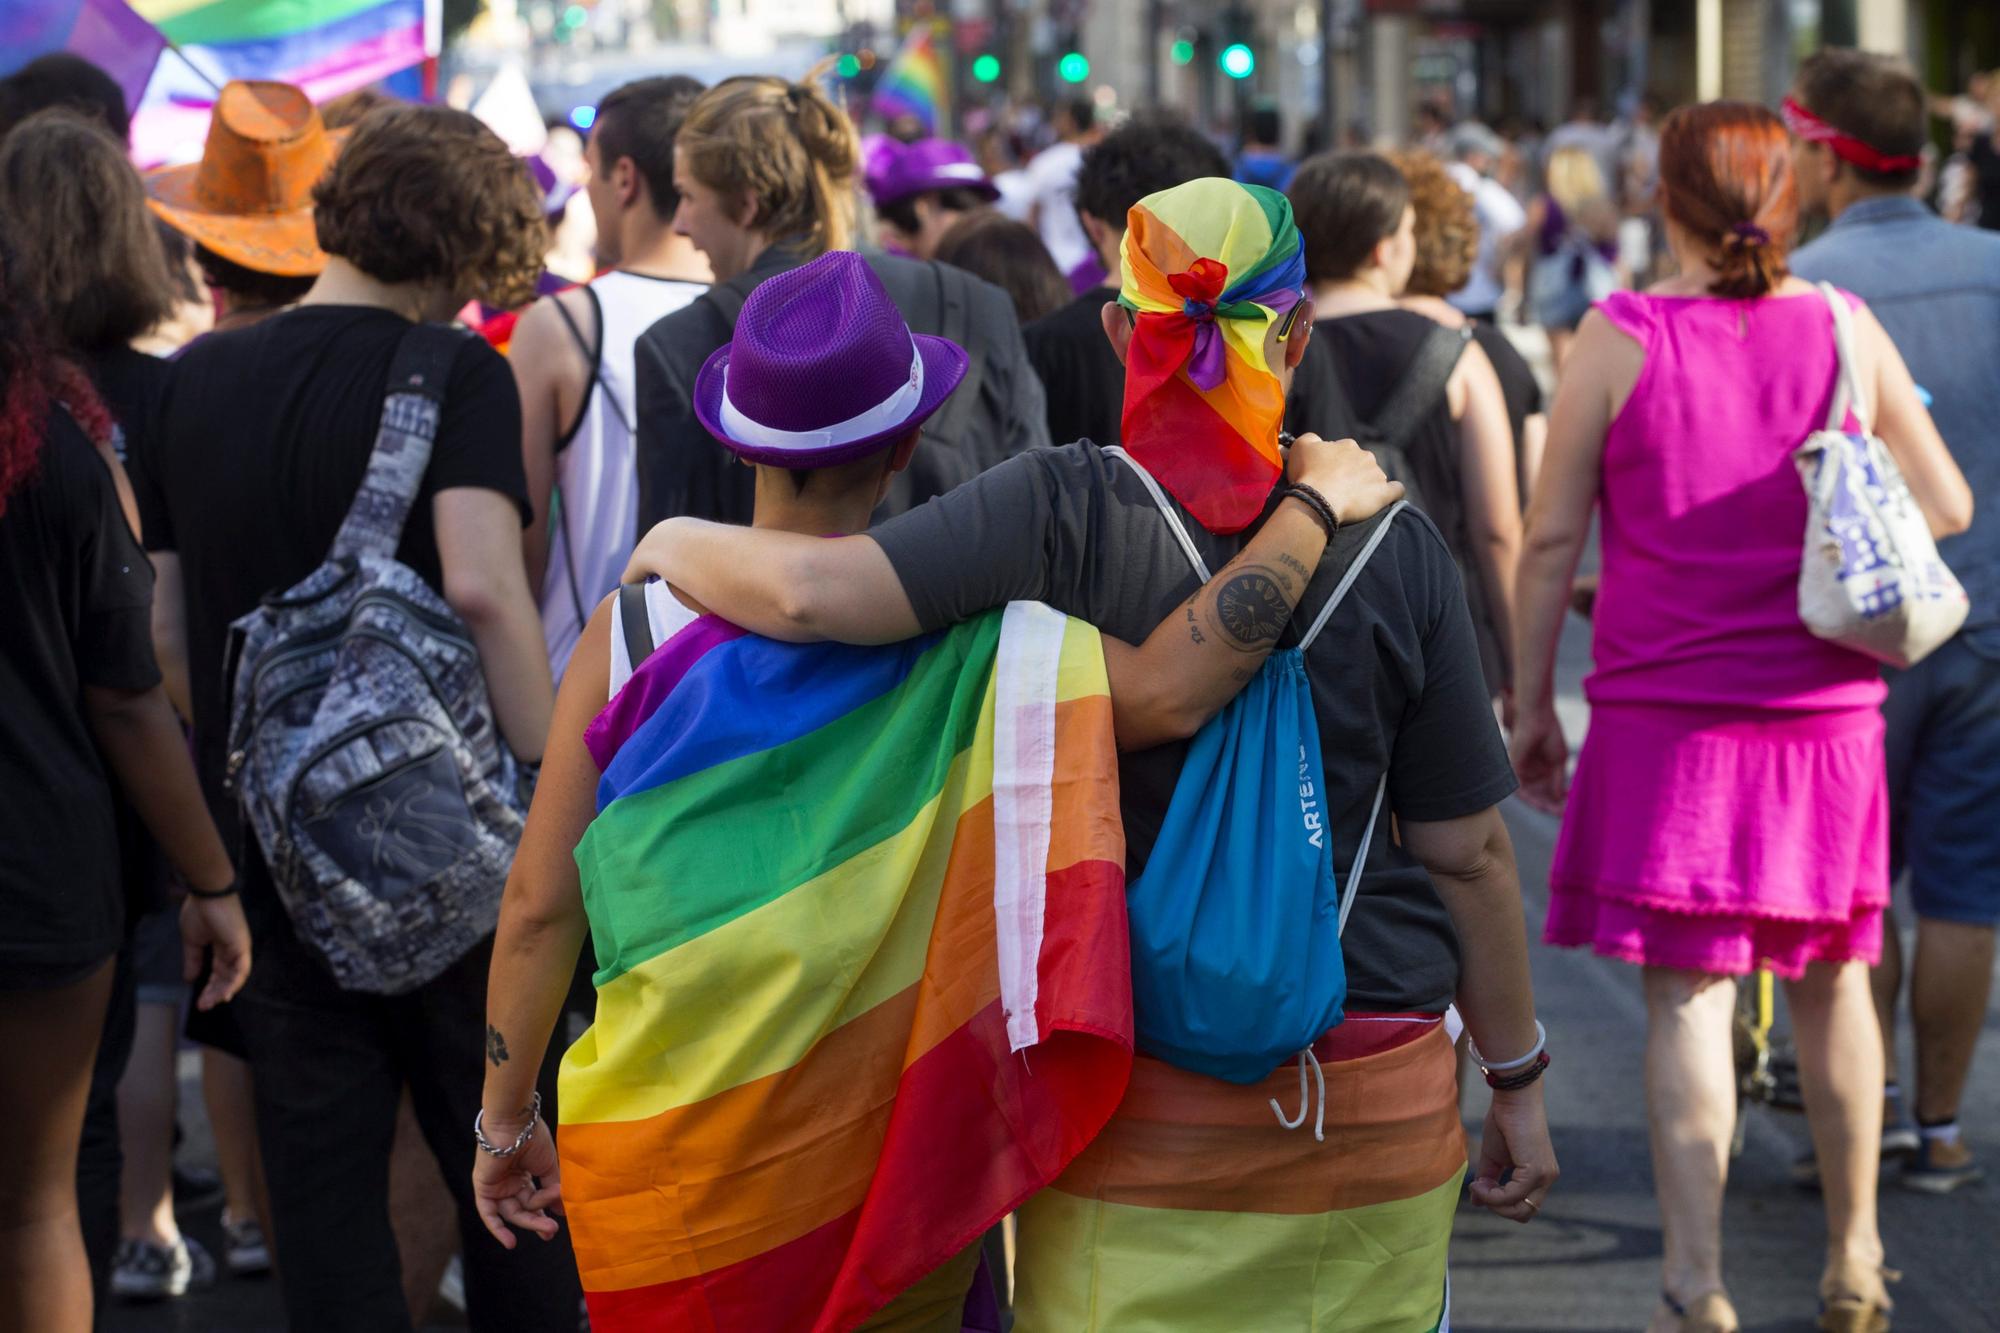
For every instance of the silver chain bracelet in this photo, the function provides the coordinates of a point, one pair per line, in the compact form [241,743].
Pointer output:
[520,1140]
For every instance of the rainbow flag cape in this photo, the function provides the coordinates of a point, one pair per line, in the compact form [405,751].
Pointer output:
[863,979]
[1208,266]
[1195,1209]
[915,82]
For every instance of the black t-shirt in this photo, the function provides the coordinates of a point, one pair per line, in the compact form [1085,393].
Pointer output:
[264,433]
[1518,384]
[130,383]
[1373,350]
[1081,376]
[1085,384]
[1985,157]
[1395,676]
[76,597]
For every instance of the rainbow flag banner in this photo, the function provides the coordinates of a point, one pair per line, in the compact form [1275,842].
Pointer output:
[1196,1210]
[327,47]
[915,82]
[863,978]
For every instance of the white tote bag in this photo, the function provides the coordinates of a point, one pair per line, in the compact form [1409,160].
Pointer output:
[1871,578]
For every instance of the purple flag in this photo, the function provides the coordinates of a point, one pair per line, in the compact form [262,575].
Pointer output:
[105,32]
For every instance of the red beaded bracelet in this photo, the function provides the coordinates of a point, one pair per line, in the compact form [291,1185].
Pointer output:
[1515,1080]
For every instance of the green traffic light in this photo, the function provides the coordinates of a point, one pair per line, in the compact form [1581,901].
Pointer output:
[848,66]
[1073,68]
[1237,60]
[1183,52]
[986,69]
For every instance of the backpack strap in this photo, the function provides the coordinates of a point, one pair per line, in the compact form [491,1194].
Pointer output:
[1174,523]
[636,621]
[594,355]
[1423,379]
[728,297]
[1352,889]
[1847,382]
[411,406]
[1360,562]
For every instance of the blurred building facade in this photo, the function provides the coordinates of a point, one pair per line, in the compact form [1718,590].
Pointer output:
[1360,69]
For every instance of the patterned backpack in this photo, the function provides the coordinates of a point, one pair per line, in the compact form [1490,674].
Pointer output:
[362,745]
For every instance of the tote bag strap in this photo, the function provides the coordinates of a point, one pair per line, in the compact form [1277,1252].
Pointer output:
[1847,387]
[1166,510]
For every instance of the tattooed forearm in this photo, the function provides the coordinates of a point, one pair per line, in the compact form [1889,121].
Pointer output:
[496,1046]
[1252,608]
[1194,629]
[1297,566]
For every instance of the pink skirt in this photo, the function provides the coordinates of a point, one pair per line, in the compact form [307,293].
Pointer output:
[1721,842]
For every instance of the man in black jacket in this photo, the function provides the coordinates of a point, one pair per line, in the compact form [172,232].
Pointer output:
[765,172]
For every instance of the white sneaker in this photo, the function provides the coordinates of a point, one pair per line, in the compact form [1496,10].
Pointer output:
[143,1271]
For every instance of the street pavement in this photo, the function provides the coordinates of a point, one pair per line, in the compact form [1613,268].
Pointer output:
[1590,1262]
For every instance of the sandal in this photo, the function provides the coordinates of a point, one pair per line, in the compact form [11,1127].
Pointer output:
[1709,1312]
[1854,1298]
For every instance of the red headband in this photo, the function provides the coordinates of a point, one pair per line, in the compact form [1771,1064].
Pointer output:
[1845,146]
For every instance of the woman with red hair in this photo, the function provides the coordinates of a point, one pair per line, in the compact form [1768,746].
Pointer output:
[81,706]
[1728,810]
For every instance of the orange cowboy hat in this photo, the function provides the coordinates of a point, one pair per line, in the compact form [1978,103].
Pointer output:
[249,199]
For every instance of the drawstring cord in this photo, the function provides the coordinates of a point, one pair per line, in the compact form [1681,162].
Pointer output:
[1319,1117]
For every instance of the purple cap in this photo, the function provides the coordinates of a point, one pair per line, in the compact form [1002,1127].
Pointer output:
[929,164]
[822,369]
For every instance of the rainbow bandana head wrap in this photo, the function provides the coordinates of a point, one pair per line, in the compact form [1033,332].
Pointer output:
[1207,267]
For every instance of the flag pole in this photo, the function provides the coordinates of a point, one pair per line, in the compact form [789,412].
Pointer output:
[199,72]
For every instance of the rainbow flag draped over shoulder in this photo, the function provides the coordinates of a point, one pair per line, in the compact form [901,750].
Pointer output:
[915,82]
[1208,266]
[863,977]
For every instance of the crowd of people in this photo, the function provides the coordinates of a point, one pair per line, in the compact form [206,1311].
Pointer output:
[695,603]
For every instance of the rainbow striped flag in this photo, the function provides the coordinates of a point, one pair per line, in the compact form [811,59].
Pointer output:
[1196,1210]
[327,47]
[863,978]
[915,82]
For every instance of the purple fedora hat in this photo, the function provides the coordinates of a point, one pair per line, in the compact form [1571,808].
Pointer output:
[929,164]
[822,369]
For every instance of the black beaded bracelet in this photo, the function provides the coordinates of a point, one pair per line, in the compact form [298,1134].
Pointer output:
[230,892]
[1316,502]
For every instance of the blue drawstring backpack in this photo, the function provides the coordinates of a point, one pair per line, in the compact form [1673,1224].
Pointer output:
[1236,922]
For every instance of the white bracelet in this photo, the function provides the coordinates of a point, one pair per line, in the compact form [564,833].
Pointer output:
[1503,1066]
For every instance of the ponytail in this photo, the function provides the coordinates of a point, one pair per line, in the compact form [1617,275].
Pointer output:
[1726,178]
[782,149]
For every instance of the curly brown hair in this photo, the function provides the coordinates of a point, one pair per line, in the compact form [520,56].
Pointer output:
[1447,228]
[428,194]
[784,146]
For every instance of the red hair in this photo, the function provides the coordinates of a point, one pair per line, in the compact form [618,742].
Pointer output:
[1726,179]
[32,382]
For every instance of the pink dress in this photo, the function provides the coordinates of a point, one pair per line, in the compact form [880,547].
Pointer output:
[1730,808]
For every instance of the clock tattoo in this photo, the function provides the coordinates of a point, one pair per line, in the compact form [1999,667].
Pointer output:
[1252,610]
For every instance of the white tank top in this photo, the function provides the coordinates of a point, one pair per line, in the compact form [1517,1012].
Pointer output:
[665,617]
[597,477]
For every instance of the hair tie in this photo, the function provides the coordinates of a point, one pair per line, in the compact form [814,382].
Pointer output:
[1747,236]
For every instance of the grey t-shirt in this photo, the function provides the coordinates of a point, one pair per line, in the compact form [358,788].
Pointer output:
[1395,674]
